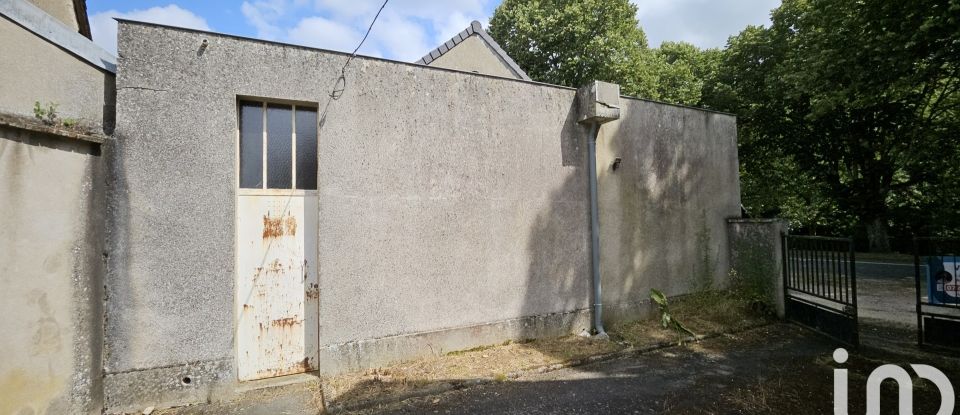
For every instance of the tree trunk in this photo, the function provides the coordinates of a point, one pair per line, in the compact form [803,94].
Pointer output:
[878,235]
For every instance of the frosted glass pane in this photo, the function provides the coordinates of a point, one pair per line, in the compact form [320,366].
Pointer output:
[306,148]
[279,146]
[251,145]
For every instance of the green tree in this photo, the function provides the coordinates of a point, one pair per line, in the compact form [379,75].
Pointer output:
[682,70]
[575,42]
[854,106]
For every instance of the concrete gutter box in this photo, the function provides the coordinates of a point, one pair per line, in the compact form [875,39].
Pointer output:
[453,208]
[599,102]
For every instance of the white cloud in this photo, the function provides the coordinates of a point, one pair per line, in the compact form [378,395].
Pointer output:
[454,24]
[406,30]
[261,16]
[705,23]
[325,33]
[104,28]
[401,37]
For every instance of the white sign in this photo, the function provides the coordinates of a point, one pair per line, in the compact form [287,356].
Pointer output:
[904,384]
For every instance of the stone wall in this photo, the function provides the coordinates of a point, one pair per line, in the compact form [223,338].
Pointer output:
[51,235]
[756,254]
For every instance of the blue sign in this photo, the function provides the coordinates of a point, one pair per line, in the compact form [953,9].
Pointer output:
[942,279]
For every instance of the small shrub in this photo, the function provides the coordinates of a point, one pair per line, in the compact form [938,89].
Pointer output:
[667,320]
[39,111]
[49,116]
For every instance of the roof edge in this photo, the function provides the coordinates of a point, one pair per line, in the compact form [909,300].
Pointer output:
[124,21]
[35,20]
[83,21]
[475,28]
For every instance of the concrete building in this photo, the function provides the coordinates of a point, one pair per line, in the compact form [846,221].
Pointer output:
[473,50]
[52,198]
[220,226]
[432,210]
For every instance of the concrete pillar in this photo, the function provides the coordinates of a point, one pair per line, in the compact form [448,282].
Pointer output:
[756,254]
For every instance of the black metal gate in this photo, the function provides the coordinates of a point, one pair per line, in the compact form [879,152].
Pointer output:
[937,270]
[820,285]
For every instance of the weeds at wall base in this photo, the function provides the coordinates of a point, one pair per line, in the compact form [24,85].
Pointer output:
[707,313]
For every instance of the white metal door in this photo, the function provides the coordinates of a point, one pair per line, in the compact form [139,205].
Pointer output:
[277,304]
[277,285]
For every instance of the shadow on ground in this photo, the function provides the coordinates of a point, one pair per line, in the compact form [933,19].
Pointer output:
[776,369]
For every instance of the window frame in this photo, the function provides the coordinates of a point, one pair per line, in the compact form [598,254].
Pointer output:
[264,103]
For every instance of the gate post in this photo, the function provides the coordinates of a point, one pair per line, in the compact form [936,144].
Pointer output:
[757,253]
[782,292]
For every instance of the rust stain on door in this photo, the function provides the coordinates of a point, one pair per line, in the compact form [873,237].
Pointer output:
[278,294]
[279,227]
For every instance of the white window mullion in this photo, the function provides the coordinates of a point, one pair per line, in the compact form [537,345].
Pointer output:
[264,145]
[293,137]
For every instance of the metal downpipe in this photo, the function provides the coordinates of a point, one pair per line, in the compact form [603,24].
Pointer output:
[595,231]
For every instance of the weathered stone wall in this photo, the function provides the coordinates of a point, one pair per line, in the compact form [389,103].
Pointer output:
[453,208]
[50,274]
[663,210]
[756,254]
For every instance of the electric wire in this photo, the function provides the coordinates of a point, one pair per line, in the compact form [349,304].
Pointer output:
[340,85]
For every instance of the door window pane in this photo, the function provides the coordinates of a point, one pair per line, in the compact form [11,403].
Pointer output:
[251,145]
[279,146]
[306,148]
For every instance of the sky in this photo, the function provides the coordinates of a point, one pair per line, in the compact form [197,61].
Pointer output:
[407,29]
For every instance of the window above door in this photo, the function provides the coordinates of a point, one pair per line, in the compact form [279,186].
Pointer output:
[278,145]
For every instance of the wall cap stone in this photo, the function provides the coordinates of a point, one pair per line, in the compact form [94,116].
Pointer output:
[755,220]
[32,124]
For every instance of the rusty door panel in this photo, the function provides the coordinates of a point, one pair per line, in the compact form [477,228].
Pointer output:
[277,291]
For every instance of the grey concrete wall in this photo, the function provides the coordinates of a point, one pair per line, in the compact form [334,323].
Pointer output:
[448,201]
[43,72]
[663,211]
[473,55]
[50,274]
[756,253]
[453,208]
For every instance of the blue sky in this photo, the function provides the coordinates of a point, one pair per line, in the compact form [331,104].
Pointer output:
[407,29]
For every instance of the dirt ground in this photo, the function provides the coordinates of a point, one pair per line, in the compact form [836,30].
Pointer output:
[779,368]
[764,367]
[706,313]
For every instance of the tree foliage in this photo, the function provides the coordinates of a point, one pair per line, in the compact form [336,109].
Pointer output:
[682,70]
[574,42]
[848,114]
[849,111]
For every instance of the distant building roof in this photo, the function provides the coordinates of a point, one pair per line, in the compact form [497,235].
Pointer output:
[35,20]
[80,9]
[475,29]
